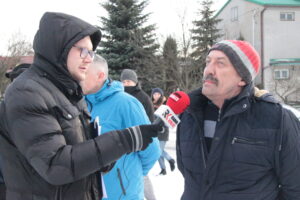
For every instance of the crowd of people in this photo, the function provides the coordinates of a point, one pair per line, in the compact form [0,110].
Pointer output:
[67,131]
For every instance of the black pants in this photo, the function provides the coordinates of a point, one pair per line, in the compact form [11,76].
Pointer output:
[2,192]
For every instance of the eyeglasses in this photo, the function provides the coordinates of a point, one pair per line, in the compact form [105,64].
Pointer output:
[84,52]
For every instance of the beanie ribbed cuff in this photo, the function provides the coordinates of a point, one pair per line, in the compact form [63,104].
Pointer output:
[235,61]
[242,56]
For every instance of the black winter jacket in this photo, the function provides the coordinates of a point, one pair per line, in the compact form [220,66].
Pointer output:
[48,150]
[138,93]
[255,149]
[1,176]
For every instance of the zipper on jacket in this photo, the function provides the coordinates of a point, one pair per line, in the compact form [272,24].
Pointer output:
[219,115]
[201,139]
[246,141]
[203,156]
[121,181]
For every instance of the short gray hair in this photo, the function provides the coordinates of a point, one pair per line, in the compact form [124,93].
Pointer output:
[101,64]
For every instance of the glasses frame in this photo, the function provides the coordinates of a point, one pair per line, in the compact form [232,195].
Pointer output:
[84,52]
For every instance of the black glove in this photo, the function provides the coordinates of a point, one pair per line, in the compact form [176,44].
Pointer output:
[139,137]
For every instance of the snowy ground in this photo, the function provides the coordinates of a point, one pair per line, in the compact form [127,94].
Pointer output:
[170,186]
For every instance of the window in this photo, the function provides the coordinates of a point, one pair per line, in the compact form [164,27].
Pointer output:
[287,16]
[281,74]
[234,14]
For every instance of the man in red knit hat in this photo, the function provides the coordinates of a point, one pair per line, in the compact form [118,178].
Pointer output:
[233,144]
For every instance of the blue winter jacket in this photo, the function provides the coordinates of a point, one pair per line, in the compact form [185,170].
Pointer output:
[118,110]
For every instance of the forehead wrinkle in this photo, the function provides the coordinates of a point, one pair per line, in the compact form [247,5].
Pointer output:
[217,58]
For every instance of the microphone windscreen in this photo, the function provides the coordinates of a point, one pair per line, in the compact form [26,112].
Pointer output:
[178,101]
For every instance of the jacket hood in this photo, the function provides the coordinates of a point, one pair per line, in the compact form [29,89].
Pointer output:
[57,33]
[109,88]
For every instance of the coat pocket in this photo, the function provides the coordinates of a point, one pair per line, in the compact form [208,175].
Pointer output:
[250,150]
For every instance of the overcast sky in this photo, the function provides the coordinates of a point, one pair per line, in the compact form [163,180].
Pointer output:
[22,16]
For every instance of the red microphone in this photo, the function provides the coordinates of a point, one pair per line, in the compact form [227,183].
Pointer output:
[177,103]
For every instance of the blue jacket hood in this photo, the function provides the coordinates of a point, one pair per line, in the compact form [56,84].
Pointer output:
[109,88]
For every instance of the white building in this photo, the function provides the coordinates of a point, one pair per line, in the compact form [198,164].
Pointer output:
[273,28]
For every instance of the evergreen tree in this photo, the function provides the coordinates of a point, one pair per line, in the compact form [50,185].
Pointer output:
[170,65]
[204,35]
[127,41]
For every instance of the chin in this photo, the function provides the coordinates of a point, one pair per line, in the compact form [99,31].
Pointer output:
[79,78]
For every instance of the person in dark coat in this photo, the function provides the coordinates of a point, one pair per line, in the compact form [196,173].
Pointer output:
[2,184]
[231,143]
[11,74]
[158,99]
[49,149]
[129,79]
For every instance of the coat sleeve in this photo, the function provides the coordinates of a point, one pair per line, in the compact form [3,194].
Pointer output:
[150,155]
[38,136]
[1,177]
[178,151]
[136,115]
[149,108]
[289,156]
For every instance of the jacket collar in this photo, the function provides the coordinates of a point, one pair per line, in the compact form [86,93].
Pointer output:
[231,106]
[133,89]
[108,89]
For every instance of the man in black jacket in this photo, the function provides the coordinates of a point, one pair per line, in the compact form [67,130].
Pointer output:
[2,185]
[232,144]
[11,74]
[130,81]
[49,150]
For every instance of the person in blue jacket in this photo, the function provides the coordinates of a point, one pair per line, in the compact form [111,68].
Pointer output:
[116,109]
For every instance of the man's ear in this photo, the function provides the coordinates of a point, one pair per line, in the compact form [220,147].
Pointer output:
[101,75]
[242,83]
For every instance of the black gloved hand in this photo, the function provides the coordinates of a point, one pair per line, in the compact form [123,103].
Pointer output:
[139,137]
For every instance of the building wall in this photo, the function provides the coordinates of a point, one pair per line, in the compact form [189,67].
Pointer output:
[280,38]
[246,27]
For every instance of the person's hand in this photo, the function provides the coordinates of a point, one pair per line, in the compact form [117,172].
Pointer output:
[139,137]
[148,132]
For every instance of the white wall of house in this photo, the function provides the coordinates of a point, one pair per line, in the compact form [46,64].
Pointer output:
[246,24]
[281,39]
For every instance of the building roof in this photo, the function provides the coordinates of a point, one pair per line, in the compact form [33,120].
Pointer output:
[276,2]
[285,61]
[265,3]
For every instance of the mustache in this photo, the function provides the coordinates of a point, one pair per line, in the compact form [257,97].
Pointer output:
[210,78]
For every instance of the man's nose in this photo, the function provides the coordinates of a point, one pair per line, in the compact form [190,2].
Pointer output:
[88,59]
[209,67]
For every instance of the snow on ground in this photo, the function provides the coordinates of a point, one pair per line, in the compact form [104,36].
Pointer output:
[170,186]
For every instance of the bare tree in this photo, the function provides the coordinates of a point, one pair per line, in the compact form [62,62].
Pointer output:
[187,67]
[287,89]
[17,47]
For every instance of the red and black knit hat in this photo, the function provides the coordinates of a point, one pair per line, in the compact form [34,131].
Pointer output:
[243,57]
